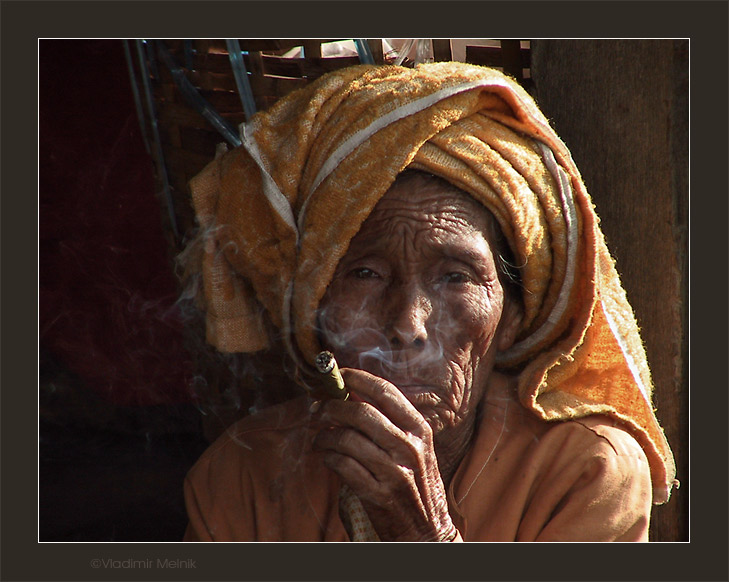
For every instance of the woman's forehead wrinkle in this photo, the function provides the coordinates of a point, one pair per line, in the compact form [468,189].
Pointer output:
[441,221]
[420,231]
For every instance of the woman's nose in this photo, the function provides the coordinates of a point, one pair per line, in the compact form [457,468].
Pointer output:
[409,311]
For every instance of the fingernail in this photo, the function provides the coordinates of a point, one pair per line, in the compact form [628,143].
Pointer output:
[316,405]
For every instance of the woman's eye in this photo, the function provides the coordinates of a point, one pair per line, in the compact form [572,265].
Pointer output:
[455,277]
[364,273]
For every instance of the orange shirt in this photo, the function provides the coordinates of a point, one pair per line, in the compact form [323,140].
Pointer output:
[523,479]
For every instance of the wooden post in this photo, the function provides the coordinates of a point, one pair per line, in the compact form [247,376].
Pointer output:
[375,45]
[442,49]
[621,106]
[312,49]
[511,59]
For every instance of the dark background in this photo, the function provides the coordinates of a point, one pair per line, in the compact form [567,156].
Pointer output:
[622,107]
[119,425]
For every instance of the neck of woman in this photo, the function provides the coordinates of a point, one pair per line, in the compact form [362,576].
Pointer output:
[451,448]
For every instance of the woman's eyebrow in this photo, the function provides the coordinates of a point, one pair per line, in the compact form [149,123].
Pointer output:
[370,253]
[449,246]
[466,253]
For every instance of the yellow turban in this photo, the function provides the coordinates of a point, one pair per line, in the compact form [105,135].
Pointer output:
[277,214]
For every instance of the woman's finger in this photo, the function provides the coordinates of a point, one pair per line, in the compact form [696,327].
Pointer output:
[354,444]
[367,420]
[387,398]
[351,471]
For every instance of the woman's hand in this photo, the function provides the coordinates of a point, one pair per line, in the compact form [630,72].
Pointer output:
[382,447]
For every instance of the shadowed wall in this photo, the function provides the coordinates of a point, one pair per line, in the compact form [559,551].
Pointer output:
[621,106]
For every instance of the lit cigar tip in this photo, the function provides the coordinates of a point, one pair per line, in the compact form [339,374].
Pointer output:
[325,362]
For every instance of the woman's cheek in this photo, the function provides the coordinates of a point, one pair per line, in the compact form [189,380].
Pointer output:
[484,311]
[460,379]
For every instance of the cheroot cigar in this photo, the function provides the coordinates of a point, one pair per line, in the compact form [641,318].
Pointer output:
[332,380]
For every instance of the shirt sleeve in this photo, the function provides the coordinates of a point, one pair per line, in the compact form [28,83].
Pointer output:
[599,489]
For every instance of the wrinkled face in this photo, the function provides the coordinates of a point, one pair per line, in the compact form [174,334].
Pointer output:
[417,300]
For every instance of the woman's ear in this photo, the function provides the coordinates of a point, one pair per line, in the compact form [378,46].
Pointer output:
[510,324]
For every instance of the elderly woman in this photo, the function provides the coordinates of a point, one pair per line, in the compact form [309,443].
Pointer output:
[428,228]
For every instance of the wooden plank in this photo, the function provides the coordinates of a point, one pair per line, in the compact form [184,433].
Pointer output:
[275,86]
[215,62]
[376,49]
[492,56]
[511,58]
[262,44]
[184,116]
[442,49]
[255,63]
[621,107]
[203,45]
[174,45]
[280,45]
[223,101]
[211,81]
[274,65]
[312,49]
[272,45]
[179,114]
[266,101]
[305,68]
